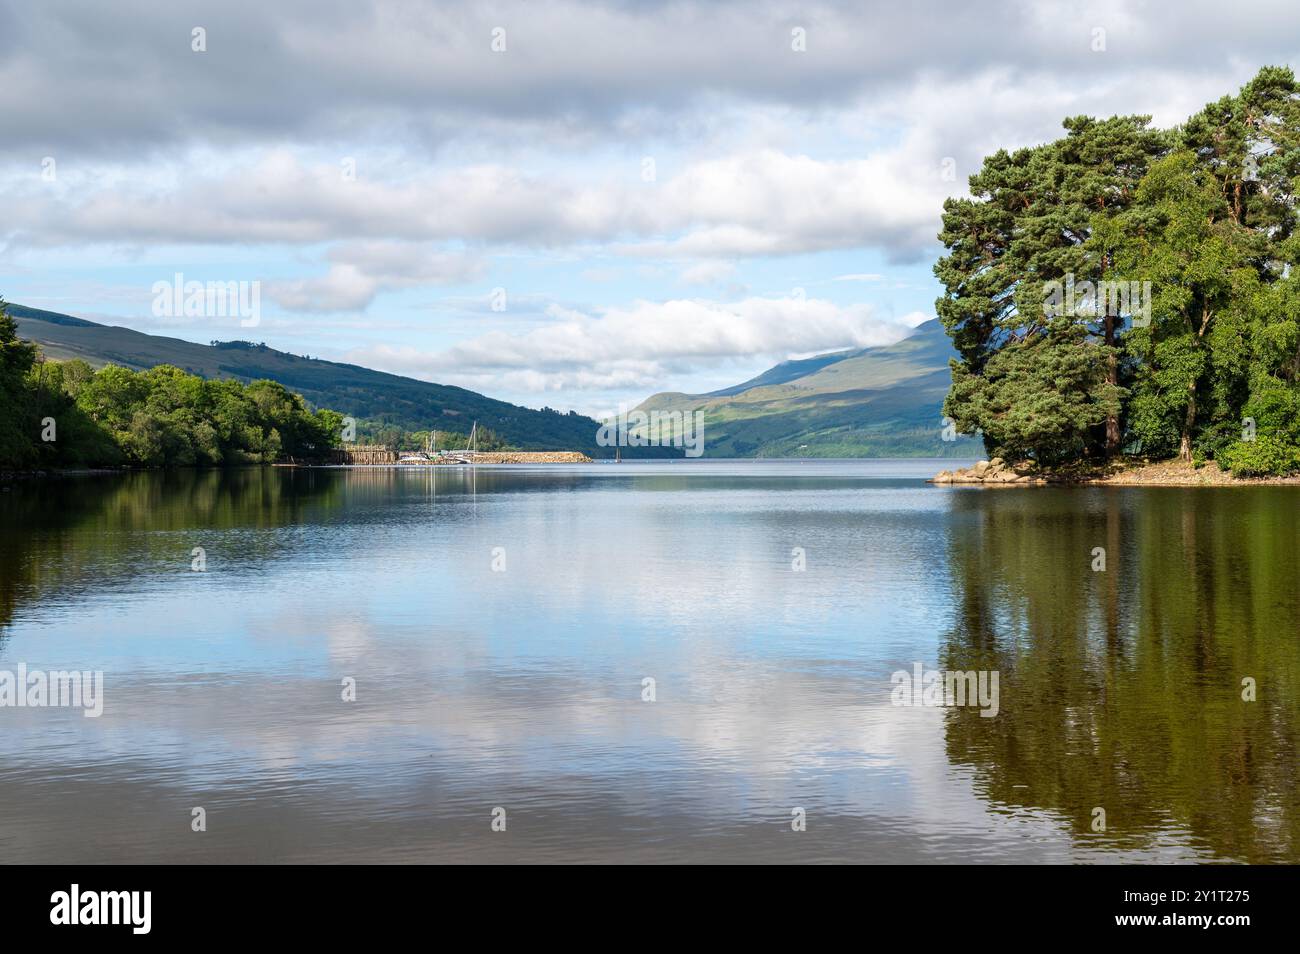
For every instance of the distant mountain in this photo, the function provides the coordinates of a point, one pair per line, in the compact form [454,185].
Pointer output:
[360,392]
[869,402]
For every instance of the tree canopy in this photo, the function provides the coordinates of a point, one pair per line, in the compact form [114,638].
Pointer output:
[1131,289]
[56,413]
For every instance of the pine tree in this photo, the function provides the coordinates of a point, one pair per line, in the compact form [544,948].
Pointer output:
[17,421]
[1185,236]
[1027,226]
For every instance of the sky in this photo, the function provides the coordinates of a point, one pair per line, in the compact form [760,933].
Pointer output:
[572,205]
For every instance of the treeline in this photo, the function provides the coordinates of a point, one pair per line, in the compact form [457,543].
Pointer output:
[65,414]
[1133,290]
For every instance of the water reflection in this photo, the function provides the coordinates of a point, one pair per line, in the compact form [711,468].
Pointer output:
[477,688]
[62,536]
[1123,689]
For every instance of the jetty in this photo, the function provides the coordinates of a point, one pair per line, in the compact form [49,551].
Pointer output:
[363,454]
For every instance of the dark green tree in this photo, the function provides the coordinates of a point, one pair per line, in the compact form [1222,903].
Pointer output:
[17,418]
[1194,354]
[1207,214]
[1024,232]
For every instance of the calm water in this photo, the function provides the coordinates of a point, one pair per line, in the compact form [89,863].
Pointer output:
[521,687]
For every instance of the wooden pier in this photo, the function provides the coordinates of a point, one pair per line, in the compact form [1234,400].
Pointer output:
[363,454]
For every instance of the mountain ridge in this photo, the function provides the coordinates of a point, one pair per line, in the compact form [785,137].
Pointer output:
[879,401]
[368,395]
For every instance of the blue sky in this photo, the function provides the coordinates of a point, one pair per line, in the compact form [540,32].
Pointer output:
[656,196]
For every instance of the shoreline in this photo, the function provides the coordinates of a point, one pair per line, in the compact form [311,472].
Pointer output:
[984,473]
[1131,473]
[486,457]
[510,457]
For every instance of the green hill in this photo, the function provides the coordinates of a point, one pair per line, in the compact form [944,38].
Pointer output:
[870,402]
[369,396]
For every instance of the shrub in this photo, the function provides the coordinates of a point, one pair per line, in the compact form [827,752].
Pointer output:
[1266,456]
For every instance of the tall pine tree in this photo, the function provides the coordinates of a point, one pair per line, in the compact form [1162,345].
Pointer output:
[1027,226]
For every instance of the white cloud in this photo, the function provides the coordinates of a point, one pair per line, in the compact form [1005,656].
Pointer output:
[360,270]
[523,169]
[80,77]
[760,203]
[708,273]
[640,344]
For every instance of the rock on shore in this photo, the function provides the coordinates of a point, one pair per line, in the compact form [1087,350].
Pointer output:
[995,472]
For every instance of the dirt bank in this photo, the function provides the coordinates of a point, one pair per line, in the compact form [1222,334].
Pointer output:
[1179,473]
[1126,473]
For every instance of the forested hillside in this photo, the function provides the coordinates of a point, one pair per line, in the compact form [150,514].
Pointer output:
[66,413]
[386,406]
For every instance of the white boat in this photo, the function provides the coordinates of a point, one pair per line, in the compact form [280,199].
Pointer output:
[466,455]
[425,456]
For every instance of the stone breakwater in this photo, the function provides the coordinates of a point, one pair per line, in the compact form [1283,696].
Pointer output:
[460,460]
[995,472]
[531,457]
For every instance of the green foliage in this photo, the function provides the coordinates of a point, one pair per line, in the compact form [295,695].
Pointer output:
[1037,398]
[1266,456]
[485,439]
[16,410]
[376,400]
[163,417]
[1193,357]
[1207,215]
[1028,224]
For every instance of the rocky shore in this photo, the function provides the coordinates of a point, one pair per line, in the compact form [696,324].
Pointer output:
[1119,473]
[994,473]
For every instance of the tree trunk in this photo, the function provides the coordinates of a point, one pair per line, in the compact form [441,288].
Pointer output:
[1189,420]
[1112,377]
